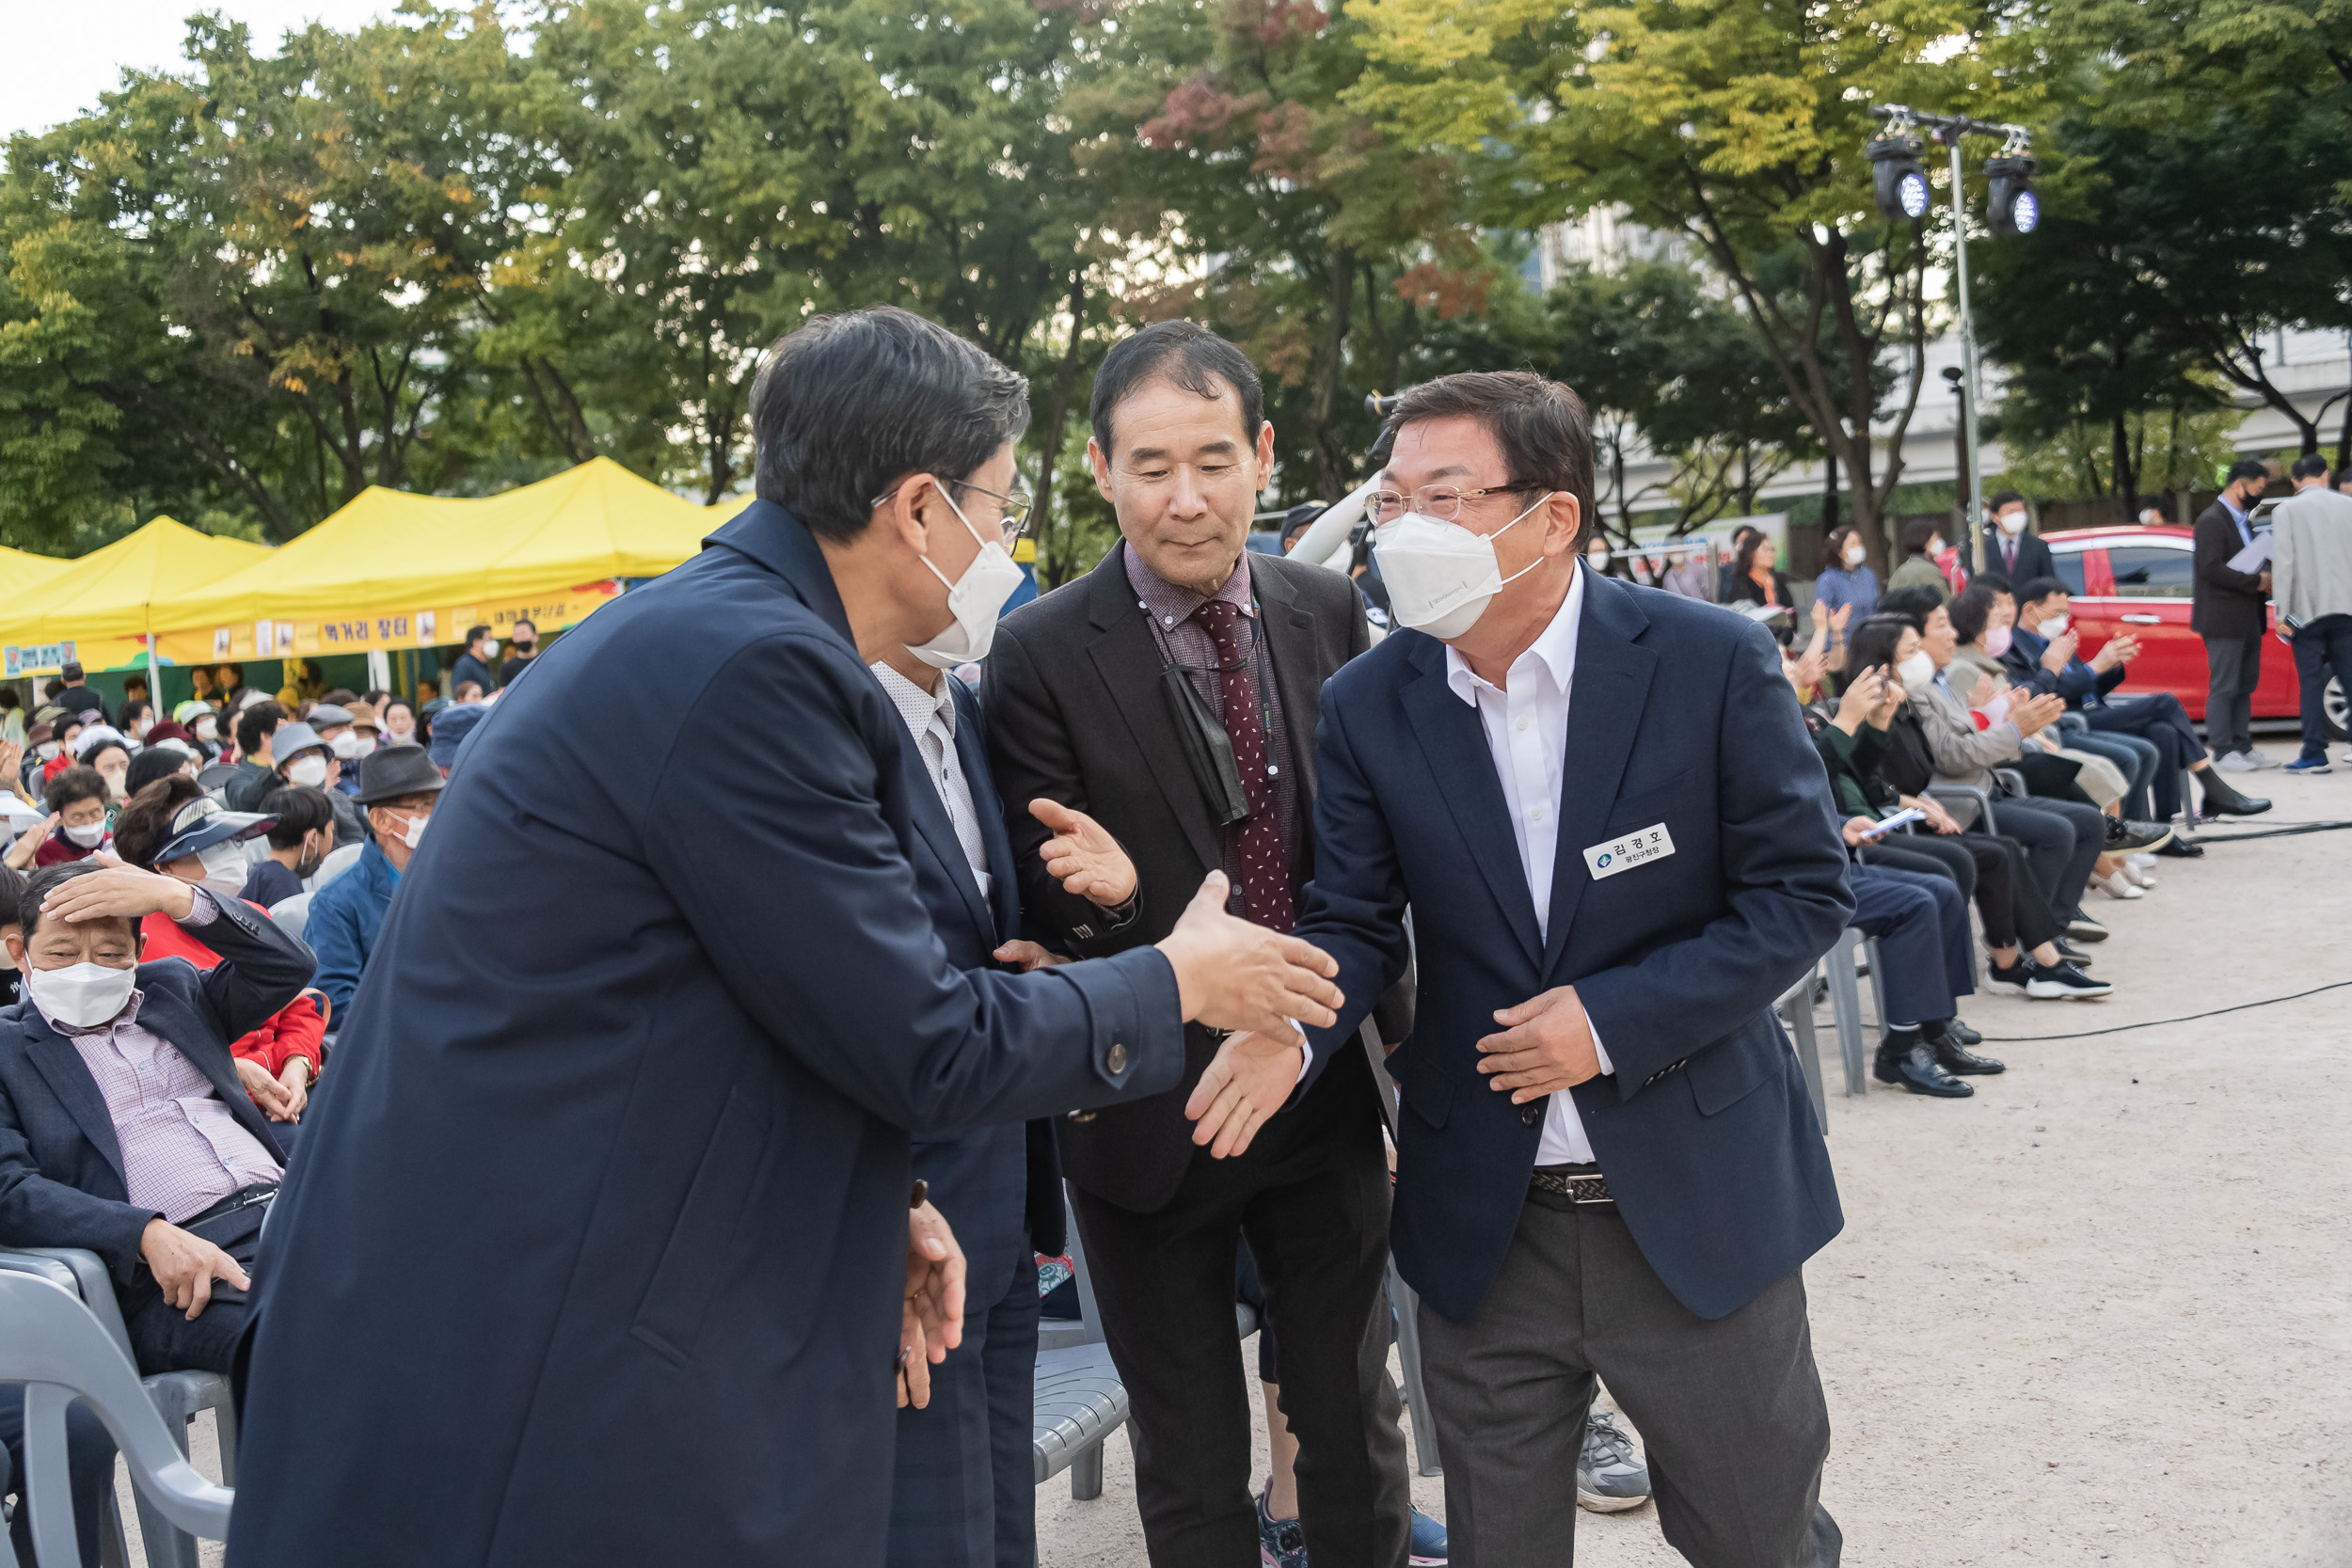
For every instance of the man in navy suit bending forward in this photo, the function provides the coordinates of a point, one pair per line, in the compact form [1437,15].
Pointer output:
[1600,806]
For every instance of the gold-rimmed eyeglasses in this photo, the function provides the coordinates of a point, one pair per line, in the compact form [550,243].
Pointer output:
[1019,507]
[1442,501]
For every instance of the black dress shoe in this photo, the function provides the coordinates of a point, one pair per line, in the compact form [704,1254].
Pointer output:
[1911,1062]
[2222,798]
[1953,1055]
[1961,1034]
[2071,953]
[2181,849]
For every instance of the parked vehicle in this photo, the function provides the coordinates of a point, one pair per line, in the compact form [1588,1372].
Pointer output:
[2140,580]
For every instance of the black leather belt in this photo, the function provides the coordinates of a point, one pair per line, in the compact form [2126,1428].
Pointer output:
[244,1197]
[1577,1184]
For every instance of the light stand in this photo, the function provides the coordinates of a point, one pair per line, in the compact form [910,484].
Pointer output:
[2015,211]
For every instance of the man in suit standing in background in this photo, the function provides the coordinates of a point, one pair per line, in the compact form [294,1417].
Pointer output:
[2017,552]
[1171,694]
[2229,610]
[1595,799]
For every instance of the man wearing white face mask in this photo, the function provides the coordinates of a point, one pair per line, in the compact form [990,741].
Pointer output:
[1601,807]
[2017,554]
[305,758]
[124,1127]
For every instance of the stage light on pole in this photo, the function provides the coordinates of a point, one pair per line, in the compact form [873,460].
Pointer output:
[2011,207]
[1898,181]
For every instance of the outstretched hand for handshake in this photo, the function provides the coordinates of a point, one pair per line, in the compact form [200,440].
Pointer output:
[1230,974]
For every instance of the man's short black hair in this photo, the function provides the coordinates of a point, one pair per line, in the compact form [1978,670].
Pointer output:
[43,882]
[2247,468]
[74,783]
[1540,425]
[2309,465]
[2035,590]
[2004,498]
[299,809]
[520,623]
[257,724]
[1914,605]
[1997,581]
[11,895]
[1186,356]
[71,672]
[475,634]
[849,405]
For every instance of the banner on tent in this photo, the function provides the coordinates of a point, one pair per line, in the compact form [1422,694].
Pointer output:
[45,658]
[382,631]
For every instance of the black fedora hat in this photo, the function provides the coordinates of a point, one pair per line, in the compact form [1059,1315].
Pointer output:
[396,771]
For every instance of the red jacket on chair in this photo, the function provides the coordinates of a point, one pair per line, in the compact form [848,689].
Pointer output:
[298,1029]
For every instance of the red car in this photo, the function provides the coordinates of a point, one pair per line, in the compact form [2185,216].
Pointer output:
[2138,579]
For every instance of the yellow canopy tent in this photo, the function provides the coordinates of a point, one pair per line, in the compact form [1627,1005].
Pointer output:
[97,610]
[394,570]
[20,571]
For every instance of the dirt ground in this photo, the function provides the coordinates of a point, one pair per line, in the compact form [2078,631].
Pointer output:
[2099,1311]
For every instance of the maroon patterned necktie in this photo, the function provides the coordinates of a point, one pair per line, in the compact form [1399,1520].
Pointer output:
[1260,859]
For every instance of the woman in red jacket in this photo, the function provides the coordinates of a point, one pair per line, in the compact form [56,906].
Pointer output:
[173,827]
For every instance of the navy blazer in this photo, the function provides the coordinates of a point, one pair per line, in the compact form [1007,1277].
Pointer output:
[1680,718]
[2078,683]
[999,1186]
[598,1241]
[61,1182]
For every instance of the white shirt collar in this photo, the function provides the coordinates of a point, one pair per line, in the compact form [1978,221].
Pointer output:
[915,705]
[1555,645]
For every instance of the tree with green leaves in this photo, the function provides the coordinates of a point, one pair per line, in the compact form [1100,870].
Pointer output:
[1737,127]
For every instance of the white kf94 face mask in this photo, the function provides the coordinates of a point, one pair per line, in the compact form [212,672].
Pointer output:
[1440,576]
[975,599]
[81,996]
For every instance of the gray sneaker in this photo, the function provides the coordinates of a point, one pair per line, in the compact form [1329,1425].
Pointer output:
[2260,759]
[1610,1476]
[2238,762]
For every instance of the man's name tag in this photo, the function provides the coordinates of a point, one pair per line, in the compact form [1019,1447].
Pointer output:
[1624,854]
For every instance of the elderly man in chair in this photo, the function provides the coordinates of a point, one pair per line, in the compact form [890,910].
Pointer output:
[124,1128]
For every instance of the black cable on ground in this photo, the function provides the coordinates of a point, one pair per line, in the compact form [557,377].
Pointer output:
[1831,1023]
[2288,831]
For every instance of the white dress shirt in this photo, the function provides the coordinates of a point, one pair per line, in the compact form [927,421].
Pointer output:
[930,717]
[1527,732]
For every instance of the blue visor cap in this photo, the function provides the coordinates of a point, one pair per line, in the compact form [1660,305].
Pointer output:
[204,822]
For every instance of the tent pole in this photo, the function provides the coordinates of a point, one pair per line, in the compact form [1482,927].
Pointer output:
[154,680]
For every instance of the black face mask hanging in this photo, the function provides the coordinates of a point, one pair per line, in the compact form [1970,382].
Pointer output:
[1208,750]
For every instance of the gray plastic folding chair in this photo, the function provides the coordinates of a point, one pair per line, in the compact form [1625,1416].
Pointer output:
[55,1346]
[1403,1301]
[178,1396]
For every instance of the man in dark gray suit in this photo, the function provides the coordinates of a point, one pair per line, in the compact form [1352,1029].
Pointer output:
[1181,649]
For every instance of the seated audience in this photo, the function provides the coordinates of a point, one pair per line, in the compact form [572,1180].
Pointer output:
[175,828]
[1920,923]
[76,828]
[298,842]
[176,1204]
[2042,656]
[398,785]
[2032,852]
[161,761]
